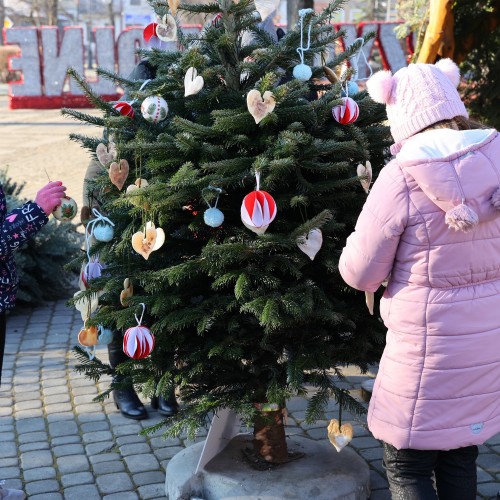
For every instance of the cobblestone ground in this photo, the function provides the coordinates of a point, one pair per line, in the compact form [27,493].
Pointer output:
[55,442]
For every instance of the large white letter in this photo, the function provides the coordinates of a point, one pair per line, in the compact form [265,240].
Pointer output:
[105,59]
[28,62]
[128,42]
[390,47]
[58,57]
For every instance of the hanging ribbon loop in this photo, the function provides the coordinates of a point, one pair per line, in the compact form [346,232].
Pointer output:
[355,60]
[257,178]
[139,321]
[141,87]
[211,188]
[99,218]
[302,49]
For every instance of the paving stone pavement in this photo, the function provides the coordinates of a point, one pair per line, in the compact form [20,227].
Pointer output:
[57,443]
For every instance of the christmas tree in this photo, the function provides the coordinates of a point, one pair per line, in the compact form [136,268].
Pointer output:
[250,168]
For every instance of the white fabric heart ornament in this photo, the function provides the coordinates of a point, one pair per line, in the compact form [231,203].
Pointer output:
[311,243]
[365,172]
[166,31]
[259,105]
[139,183]
[266,7]
[193,82]
[85,306]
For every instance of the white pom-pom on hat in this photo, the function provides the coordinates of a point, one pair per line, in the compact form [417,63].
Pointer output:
[449,69]
[380,87]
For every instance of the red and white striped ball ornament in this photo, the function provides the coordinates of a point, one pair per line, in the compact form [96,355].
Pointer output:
[347,112]
[124,108]
[258,209]
[138,341]
[154,108]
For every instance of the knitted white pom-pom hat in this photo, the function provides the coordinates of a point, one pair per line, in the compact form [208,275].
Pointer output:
[417,96]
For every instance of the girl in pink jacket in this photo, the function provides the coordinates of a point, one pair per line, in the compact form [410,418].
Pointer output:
[432,224]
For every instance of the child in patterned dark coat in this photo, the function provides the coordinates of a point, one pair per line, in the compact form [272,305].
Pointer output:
[16,227]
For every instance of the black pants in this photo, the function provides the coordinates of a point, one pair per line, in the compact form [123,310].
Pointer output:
[410,473]
[3,331]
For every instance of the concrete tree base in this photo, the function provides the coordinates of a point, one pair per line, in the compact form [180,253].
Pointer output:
[322,474]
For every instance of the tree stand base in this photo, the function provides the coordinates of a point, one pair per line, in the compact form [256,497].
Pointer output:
[322,474]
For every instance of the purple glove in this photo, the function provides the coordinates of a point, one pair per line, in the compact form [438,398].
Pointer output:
[49,197]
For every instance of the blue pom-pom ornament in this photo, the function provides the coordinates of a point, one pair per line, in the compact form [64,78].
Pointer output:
[213,217]
[352,88]
[103,232]
[105,336]
[302,72]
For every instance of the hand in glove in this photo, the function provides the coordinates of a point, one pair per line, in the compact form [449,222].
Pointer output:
[49,197]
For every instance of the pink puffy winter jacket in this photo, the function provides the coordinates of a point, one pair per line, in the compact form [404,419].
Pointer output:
[438,385]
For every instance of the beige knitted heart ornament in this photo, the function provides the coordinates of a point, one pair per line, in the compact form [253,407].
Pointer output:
[365,174]
[127,292]
[118,173]
[259,106]
[106,154]
[339,435]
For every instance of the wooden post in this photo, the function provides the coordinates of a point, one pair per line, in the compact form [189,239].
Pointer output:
[439,39]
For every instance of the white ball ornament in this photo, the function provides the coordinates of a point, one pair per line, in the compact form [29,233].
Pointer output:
[103,232]
[302,72]
[67,210]
[213,217]
[154,109]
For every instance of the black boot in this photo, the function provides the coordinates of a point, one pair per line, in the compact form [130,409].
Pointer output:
[125,397]
[166,407]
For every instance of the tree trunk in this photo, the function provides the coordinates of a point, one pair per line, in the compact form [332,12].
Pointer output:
[292,11]
[2,18]
[439,39]
[52,12]
[111,13]
[269,440]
